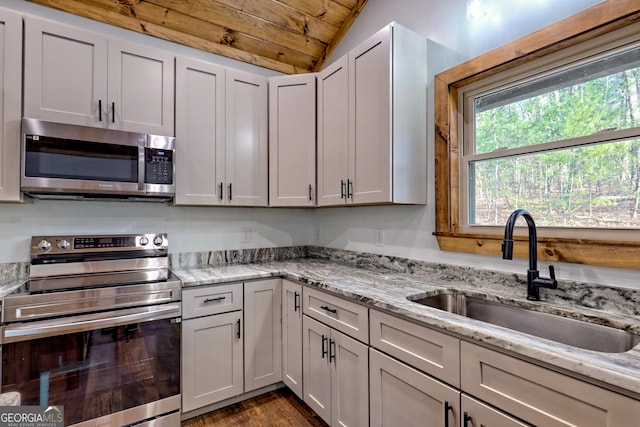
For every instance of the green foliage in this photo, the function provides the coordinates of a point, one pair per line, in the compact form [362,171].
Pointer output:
[596,185]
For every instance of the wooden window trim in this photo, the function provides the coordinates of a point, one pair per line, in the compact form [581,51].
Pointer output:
[595,21]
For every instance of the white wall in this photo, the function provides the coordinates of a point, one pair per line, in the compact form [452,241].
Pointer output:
[408,230]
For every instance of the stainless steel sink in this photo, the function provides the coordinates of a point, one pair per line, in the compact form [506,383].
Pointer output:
[568,331]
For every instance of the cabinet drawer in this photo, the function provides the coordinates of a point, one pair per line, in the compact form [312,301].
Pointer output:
[206,300]
[345,316]
[541,396]
[423,348]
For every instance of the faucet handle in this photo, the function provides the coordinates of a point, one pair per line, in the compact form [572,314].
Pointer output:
[552,273]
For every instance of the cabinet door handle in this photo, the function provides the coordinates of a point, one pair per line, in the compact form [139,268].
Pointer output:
[342,188]
[324,347]
[221,188]
[447,408]
[214,299]
[466,420]
[296,301]
[113,112]
[99,110]
[310,192]
[332,353]
[330,310]
[230,191]
[349,189]
[238,333]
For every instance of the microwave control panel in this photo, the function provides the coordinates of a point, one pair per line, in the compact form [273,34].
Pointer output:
[158,166]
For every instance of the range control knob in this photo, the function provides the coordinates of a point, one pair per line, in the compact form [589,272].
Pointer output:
[144,240]
[44,245]
[157,239]
[64,244]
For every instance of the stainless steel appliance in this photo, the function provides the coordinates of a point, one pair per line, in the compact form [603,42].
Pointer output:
[61,161]
[96,330]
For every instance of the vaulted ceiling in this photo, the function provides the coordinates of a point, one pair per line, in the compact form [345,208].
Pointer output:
[290,36]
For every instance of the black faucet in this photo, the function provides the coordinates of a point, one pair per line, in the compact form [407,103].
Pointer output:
[534,281]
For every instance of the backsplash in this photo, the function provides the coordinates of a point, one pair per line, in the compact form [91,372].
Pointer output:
[236,256]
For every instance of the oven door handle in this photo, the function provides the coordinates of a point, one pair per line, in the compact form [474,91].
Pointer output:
[88,322]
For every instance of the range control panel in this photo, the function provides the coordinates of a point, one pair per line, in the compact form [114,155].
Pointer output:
[53,245]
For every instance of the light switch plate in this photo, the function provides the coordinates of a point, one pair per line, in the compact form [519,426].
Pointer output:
[246,234]
[379,237]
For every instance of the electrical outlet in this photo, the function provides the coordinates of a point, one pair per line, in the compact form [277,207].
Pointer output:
[317,234]
[379,237]
[246,234]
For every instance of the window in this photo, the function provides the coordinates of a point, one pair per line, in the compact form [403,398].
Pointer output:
[549,123]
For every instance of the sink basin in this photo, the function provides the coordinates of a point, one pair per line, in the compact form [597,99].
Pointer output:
[568,331]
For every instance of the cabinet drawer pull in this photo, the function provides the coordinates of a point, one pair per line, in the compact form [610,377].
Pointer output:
[99,110]
[296,301]
[238,334]
[310,192]
[221,188]
[214,299]
[230,191]
[113,112]
[466,420]
[332,350]
[349,189]
[342,188]
[324,348]
[447,408]
[330,310]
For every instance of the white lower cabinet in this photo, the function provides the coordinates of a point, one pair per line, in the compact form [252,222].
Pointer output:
[478,414]
[292,336]
[262,334]
[211,359]
[403,396]
[335,375]
[541,396]
[227,351]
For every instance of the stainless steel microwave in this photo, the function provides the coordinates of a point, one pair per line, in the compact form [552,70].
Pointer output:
[61,161]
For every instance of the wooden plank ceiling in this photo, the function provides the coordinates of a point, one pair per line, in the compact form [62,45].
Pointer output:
[290,36]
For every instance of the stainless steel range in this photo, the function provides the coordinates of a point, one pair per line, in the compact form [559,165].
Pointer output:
[96,330]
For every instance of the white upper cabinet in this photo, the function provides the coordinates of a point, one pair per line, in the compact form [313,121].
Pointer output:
[80,77]
[10,113]
[333,133]
[292,140]
[386,98]
[246,150]
[221,134]
[200,104]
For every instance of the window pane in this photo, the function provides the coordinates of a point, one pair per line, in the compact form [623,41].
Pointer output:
[596,96]
[587,186]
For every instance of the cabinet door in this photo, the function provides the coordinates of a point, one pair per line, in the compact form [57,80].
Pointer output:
[316,372]
[141,88]
[262,333]
[65,74]
[541,396]
[477,414]
[211,359]
[333,134]
[10,112]
[349,361]
[370,152]
[403,396]
[292,336]
[200,105]
[292,140]
[246,139]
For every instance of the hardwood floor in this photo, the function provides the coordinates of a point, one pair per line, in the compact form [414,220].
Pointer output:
[275,409]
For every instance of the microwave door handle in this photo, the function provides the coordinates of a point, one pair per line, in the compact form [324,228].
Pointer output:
[141,163]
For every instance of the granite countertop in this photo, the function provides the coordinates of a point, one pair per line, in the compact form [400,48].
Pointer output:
[387,287]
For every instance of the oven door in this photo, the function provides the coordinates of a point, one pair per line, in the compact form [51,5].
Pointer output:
[115,368]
